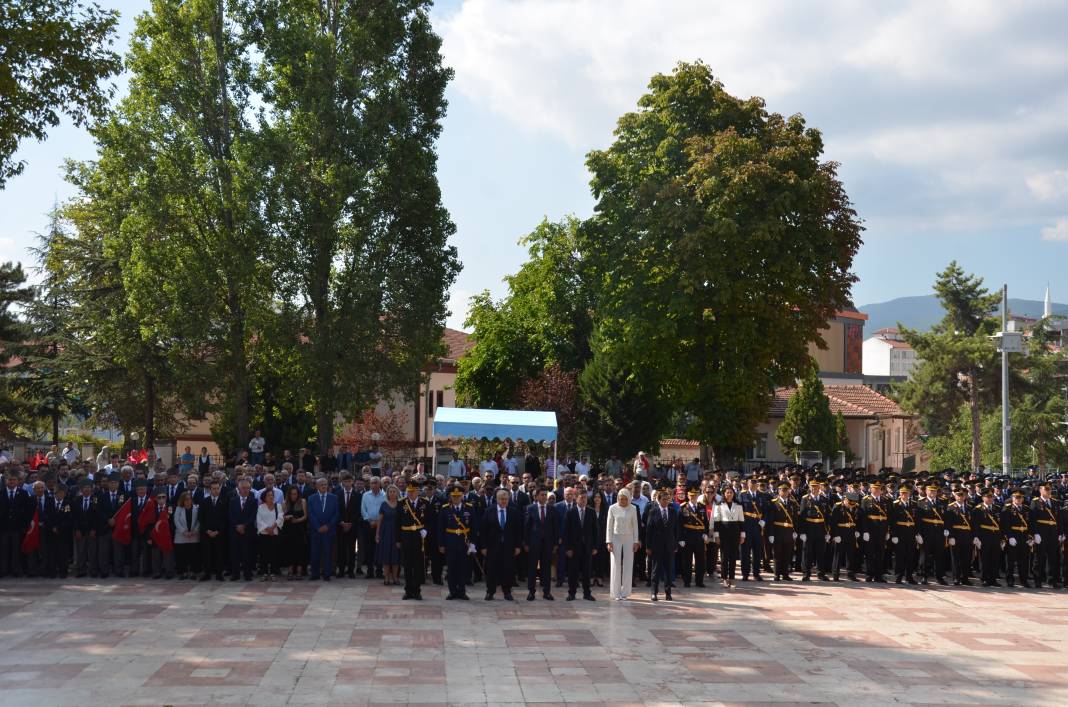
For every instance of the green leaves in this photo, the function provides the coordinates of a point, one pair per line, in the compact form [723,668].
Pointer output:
[54,55]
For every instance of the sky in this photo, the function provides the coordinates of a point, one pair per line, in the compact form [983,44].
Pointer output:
[949,121]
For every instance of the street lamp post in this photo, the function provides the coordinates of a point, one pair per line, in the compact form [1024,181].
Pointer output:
[797,449]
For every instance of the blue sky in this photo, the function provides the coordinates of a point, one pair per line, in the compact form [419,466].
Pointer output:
[948,120]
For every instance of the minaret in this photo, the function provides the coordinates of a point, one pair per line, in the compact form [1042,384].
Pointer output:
[1047,309]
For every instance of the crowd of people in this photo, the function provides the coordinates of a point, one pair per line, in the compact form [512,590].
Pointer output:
[511,525]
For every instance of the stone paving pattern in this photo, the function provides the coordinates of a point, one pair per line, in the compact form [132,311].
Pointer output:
[353,642]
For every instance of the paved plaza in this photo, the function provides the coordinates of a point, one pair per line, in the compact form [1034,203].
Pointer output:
[354,642]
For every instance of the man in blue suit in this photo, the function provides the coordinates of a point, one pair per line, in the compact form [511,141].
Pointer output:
[562,508]
[540,538]
[323,514]
[498,541]
[243,532]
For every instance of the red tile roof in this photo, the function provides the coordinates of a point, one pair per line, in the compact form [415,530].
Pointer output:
[457,342]
[676,442]
[856,401]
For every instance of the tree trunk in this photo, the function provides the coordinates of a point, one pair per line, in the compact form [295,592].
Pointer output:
[1041,444]
[150,412]
[55,427]
[973,406]
[326,430]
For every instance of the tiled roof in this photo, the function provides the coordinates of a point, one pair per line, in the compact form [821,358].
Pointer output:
[457,342]
[676,442]
[856,401]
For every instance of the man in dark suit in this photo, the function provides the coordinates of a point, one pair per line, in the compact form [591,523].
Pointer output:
[86,520]
[348,499]
[562,508]
[174,487]
[110,554]
[498,541]
[214,519]
[16,509]
[661,540]
[140,564]
[242,525]
[580,545]
[540,537]
[323,514]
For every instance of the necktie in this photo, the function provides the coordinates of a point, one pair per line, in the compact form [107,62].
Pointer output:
[85,504]
[663,512]
[542,512]
[500,515]
[582,516]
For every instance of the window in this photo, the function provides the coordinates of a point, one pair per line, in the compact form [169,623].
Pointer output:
[434,400]
[759,450]
[440,398]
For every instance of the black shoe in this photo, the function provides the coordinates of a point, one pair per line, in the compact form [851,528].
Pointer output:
[836,579]
[547,597]
[823,577]
[701,585]
[956,582]
[806,578]
[881,579]
[910,580]
[588,597]
[924,581]
[853,577]
[786,578]
[652,597]
[869,579]
[489,597]
[530,596]
[570,597]
[687,584]
[450,598]
[899,580]
[943,582]
[1025,585]
[559,583]
[235,578]
[464,597]
[508,597]
[667,594]
[326,578]
[757,578]
[407,596]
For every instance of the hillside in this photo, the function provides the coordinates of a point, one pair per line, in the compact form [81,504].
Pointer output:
[924,311]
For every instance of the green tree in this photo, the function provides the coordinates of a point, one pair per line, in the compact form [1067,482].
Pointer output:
[545,319]
[720,246]
[13,294]
[808,415]
[194,213]
[841,436]
[353,98]
[958,362]
[53,56]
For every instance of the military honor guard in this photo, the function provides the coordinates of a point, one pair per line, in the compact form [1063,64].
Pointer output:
[845,536]
[783,512]
[875,531]
[411,530]
[694,535]
[934,534]
[456,540]
[958,521]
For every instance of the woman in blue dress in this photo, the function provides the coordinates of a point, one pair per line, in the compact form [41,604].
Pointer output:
[388,555]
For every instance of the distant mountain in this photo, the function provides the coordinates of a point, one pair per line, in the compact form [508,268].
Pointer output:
[925,311]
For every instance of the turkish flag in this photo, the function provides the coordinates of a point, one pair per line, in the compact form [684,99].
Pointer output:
[161,532]
[31,542]
[147,516]
[123,519]
[38,461]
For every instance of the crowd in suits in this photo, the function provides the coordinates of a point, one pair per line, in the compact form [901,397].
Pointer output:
[544,534]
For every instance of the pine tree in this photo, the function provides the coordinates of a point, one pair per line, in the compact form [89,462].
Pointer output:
[13,293]
[808,416]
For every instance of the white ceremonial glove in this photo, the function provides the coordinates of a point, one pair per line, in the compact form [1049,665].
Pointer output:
[1060,538]
[422,533]
[771,539]
[893,540]
[946,533]
[704,538]
[1030,543]
[919,539]
[866,537]
[827,538]
[837,538]
[952,542]
[741,538]
[856,533]
[977,542]
[795,536]
[1038,539]
[1012,542]
[682,543]
[804,537]
[760,523]
[470,548]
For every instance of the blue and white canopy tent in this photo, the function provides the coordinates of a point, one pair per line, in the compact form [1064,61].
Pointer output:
[474,423]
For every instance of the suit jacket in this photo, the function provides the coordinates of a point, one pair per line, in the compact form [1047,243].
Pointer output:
[135,515]
[244,516]
[214,516]
[493,538]
[661,537]
[322,514]
[172,496]
[536,534]
[561,513]
[86,521]
[581,536]
[349,513]
[15,514]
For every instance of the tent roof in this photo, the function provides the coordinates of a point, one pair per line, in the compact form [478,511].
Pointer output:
[456,423]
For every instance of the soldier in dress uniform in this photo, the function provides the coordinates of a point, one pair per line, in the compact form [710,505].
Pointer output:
[987,536]
[932,528]
[1016,525]
[435,500]
[411,530]
[958,521]
[456,539]
[814,530]
[874,531]
[844,529]
[904,535]
[783,512]
[693,533]
[1047,526]
[753,548]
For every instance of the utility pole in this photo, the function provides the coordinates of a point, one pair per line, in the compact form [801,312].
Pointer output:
[1006,424]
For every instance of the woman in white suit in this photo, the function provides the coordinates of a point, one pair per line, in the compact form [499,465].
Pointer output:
[186,537]
[621,538]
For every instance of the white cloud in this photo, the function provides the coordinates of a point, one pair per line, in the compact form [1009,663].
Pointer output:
[1049,186]
[1057,232]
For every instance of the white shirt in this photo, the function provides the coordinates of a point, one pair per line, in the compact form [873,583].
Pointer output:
[722,514]
[622,525]
[457,469]
[511,465]
[256,445]
[582,468]
[489,466]
[265,518]
[277,494]
[71,455]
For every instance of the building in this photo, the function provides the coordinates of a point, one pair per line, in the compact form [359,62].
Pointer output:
[843,359]
[887,354]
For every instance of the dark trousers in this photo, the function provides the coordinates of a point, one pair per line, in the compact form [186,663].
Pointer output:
[1017,561]
[267,547]
[140,562]
[346,551]
[162,562]
[875,553]
[752,552]
[932,556]
[693,558]
[500,571]
[57,555]
[437,560]
[660,569]
[412,562]
[243,554]
[990,560]
[784,551]
[814,544]
[85,556]
[1048,560]
[320,559]
[905,556]
[845,555]
[11,553]
[367,548]
[961,557]
[539,564]
[728,559]
[214,552]
[578,570]
[459,565]
[187,558]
